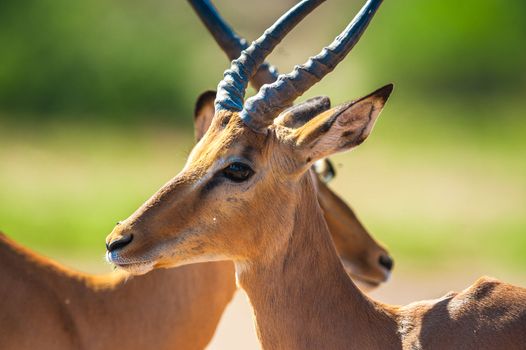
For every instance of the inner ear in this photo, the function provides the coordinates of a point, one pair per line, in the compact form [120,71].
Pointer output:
[340,128]
[203,113]
[301,113]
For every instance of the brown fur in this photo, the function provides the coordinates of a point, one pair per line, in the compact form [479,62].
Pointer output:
[358,250]
[276,235]
[47,306]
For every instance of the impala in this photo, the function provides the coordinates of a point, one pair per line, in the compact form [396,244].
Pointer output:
[246,195]
[51,306]
[47,306]
[368,267]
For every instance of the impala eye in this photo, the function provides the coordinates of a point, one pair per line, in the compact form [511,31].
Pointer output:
[238,172]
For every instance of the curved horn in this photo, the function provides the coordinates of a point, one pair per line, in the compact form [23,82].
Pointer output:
[231,90]
[231,43]
[274,98]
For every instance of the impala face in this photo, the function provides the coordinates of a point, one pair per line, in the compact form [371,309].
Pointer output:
[201,214]
[237,196]
[364,259]
[236,188]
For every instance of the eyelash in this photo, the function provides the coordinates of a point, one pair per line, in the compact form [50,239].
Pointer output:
[237,172]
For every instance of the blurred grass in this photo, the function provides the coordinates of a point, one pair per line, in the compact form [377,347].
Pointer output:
[63,188]
[96,99]
[440,192]
[124,59]
[435,192]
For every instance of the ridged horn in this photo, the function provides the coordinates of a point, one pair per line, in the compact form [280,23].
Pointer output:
[261,109]
[231,90]
[229,41]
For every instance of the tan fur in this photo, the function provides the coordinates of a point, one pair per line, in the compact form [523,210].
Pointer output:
[47,306]
[272,227]
[488,315]
[358,250]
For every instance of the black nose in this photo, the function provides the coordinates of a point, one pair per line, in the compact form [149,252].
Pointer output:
[119,243]
[386,261]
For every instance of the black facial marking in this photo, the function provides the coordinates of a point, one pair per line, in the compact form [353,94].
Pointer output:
[210,185]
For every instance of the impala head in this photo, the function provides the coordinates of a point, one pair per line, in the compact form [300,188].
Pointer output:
[364,259]
[243,181]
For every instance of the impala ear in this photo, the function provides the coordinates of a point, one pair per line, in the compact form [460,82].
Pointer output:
[341,128]
[203,113]
[301,113]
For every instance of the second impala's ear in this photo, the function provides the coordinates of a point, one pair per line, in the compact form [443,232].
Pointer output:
[340,128]
[203,113]
[301,113]
[324,169]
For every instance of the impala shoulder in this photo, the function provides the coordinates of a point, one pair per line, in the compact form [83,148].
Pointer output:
[488,296]
[491,288]
[412,316]
[482,288]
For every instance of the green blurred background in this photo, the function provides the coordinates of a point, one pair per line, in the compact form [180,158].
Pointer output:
[96,101]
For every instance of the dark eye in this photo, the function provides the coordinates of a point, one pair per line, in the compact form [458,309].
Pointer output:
[238,172]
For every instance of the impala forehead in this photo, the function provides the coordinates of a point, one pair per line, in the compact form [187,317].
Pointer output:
[223,145]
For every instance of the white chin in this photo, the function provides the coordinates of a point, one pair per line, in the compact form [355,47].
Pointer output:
[137,269]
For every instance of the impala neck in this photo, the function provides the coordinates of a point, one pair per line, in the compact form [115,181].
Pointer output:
[177,308]
[303,299]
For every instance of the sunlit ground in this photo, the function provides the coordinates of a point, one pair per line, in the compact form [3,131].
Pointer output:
[448,199]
